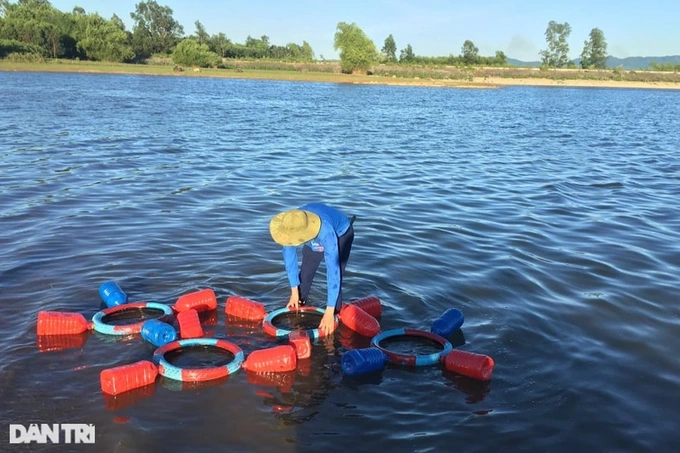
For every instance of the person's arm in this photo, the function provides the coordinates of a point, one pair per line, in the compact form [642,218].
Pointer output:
[332,258]
[290,260]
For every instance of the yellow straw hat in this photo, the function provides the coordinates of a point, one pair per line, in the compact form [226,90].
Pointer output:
[294,227]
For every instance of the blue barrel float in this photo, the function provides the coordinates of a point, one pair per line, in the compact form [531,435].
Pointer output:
[447,323]
[112,294]
[361,361]
[158,333]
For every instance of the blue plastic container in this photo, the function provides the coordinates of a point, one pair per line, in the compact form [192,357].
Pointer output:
[361,361]
[448,322]
[112,295]
[158,333]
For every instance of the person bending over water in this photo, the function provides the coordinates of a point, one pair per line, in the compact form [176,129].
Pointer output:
[323,232]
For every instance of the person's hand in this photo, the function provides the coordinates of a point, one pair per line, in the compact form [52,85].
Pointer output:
[327,324]
[294,301]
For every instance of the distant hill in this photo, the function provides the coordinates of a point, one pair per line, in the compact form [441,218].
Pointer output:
[524,64]
[639,62]
[612,62]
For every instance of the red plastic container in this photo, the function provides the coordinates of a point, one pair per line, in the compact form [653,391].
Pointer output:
[271,360]
[300,341]
[477,366]
[53,343]
[370,305]
[359,321]
[127,377]
[189,324]
[203,300]
[240,307]
[61,323]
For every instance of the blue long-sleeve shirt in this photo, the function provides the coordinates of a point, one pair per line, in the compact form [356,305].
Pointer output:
[333,225]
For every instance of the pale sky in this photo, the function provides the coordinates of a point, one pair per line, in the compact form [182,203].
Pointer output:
[432,27]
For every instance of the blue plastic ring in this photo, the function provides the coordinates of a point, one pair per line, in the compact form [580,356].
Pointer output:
[171,371]
[271,329]
[127,329]
[413,359]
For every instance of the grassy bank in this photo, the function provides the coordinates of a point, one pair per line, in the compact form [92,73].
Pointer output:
[476,77]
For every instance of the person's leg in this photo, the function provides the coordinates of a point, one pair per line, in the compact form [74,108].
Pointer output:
[344,248]
[310,263]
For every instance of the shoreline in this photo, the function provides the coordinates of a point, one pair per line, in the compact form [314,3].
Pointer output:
[473,82]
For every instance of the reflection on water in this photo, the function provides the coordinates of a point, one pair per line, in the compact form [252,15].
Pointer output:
[549,217]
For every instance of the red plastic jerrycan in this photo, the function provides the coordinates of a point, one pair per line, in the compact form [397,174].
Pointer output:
[189,324]
[271,360]
[240,307]
[359,321]
[203,300]
[370,305]
[477,366]
[127,377]
[61,323]
[300,341]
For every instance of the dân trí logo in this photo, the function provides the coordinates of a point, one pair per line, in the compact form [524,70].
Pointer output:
[56,433]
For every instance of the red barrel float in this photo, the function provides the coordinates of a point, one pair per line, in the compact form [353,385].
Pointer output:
[61,323]
[477,366]
[359,320]
[203,300]
[300,341]
[240,307]
[271,360]
[189,324]
[370,305]
[127,377]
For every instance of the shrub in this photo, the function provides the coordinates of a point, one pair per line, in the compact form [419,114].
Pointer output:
[190,53]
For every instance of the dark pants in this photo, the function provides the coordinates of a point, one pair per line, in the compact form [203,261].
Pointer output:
[312,259]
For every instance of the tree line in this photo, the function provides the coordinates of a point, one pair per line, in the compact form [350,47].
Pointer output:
[36,28]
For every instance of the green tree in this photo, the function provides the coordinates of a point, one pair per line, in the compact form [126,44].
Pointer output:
[202,36]
[500,59]
[594,53]
[469,53]
[406,55]
[34,22]
[155,30]
[307,51]
[219,44]
[557,53]
[357,51]
[101,39]
[191,53]
[118,22]
[389,49]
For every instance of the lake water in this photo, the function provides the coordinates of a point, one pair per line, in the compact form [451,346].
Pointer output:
[549,216]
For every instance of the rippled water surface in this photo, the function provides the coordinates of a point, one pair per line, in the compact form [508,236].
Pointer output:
[548,216]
